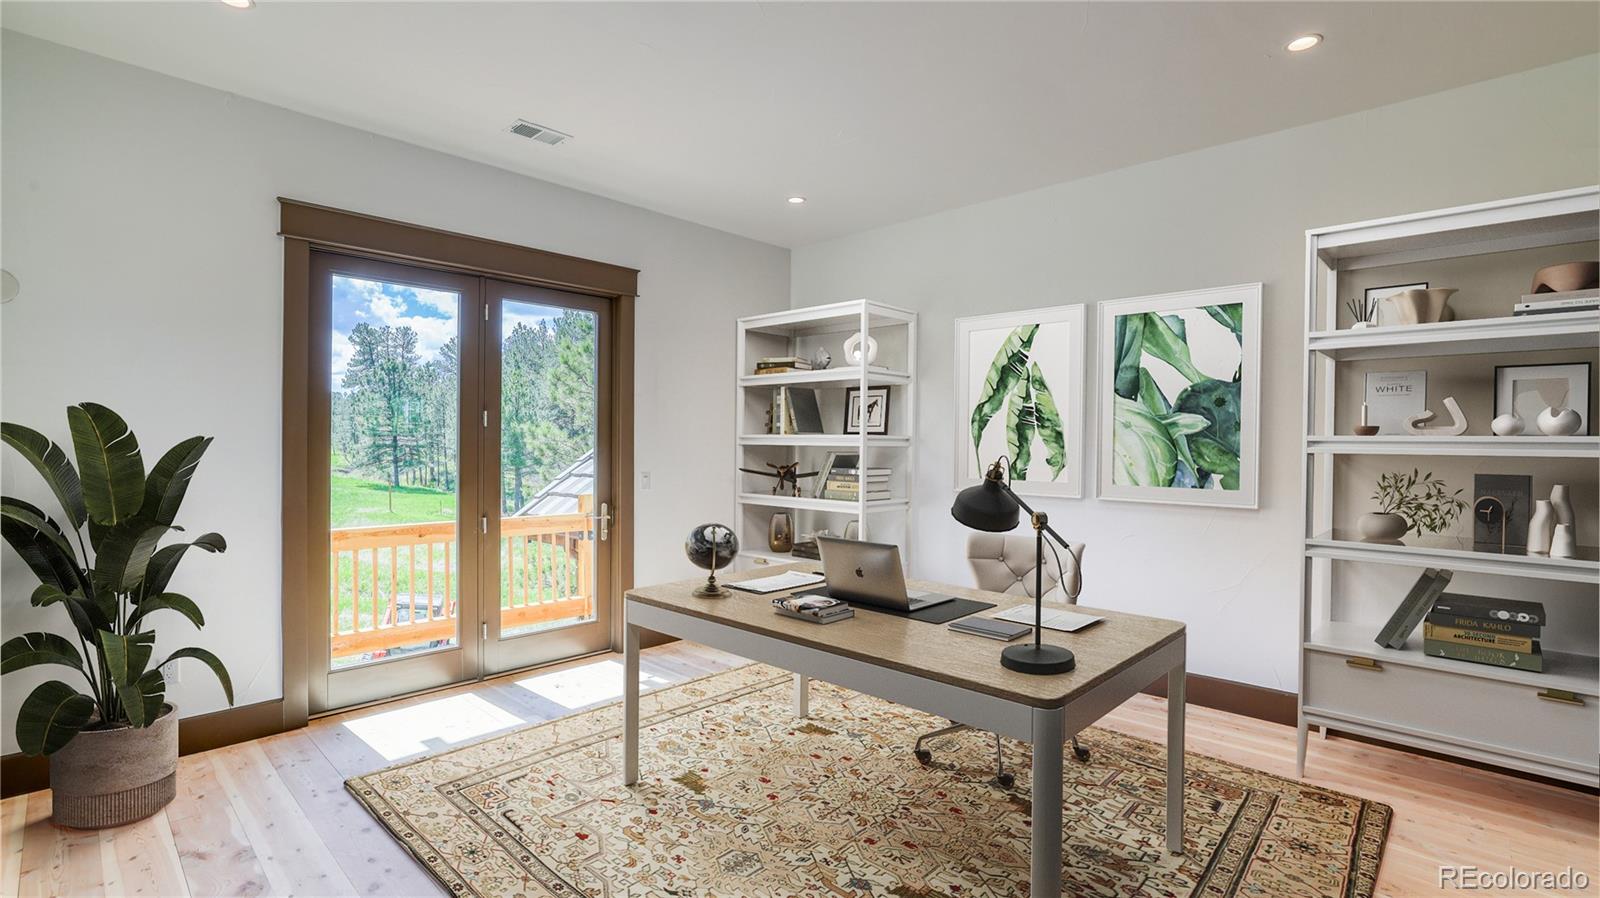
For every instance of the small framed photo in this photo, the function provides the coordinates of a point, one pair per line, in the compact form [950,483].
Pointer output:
[875,411]
[1377,298]
[1527,390]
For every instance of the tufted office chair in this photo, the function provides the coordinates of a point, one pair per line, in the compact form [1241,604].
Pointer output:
[1004,562]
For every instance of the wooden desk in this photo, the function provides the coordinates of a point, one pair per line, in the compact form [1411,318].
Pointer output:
[935,669]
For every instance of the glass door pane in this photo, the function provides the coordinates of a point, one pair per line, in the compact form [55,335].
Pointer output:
[547,494]
[393,470]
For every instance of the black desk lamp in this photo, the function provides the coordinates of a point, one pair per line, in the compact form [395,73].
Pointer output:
[993,507]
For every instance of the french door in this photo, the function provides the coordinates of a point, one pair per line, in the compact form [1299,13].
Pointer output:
[467,477]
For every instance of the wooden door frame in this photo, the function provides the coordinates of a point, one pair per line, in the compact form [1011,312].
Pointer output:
[305,227]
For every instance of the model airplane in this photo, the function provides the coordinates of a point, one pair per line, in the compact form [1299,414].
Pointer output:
[786,476]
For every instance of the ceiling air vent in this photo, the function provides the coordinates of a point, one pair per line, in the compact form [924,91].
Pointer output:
[551,136]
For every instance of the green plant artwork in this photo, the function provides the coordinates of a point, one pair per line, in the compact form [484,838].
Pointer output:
[1176,419]
[1015,383]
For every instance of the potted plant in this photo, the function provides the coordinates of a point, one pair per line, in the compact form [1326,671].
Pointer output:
[1410,501]
[113,749]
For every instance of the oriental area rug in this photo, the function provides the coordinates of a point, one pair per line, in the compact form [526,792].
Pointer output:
[738,799]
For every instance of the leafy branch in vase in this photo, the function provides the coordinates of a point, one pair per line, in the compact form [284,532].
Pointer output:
[1422,499]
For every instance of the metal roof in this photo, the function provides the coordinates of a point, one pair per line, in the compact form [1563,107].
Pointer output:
[560,495]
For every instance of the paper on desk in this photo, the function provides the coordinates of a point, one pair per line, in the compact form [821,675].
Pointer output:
[1053,619]
[778,582]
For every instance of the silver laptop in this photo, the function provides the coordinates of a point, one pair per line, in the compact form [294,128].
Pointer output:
[870,573]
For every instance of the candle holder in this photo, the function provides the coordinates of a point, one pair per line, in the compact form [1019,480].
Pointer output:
[1366,430]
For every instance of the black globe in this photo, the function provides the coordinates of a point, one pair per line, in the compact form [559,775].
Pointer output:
[707,540]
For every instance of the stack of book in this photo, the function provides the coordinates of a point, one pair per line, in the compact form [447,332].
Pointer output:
[1502,632]
[1551,303]
[816,609]
[845,483]
[782,364]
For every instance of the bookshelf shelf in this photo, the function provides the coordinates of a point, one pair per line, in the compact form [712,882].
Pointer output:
[1457,555]
[1563,670]
[1545,722]
[804,334]
[1475,446]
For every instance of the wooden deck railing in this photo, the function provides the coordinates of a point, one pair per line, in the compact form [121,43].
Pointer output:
[398,585]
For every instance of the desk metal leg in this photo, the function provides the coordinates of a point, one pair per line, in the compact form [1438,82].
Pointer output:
[1048,745]
[1175,779]
[802,696]
[630,704]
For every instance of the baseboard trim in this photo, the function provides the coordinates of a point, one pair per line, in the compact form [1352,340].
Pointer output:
[1259,702]
[21,774]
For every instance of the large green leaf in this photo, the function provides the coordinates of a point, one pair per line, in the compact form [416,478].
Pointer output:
[88,617]
[169,479]
[1022,417]
[1216,446]
[1142,451]
[142,698]
[1008,366]
[211,661]
[41,544]
[1130,350]
[124,555]
[1170,346]
[170,601]
[127,657]
[1049,419]
[1230,316]
[52,464]
[108,461]
[164,563]
[30,649]
[50,717]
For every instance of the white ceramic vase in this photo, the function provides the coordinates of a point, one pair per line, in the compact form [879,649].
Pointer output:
[1559,422]
[1563,544]
[1561,503]
[1508,425]
[1542,528]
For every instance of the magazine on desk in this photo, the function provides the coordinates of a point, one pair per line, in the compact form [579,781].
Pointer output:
[817,609]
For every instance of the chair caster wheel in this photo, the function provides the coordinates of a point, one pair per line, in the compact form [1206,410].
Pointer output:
[1080,753]
[924,757]
[1005,780]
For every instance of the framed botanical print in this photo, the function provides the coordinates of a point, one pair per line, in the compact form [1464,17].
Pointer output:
[1019,384]
[1179,397]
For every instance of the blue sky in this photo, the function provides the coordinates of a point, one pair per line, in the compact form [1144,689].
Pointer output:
[433,314]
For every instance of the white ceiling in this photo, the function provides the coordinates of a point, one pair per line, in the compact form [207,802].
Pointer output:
[877,112]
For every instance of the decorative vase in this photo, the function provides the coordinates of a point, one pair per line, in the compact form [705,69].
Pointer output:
[1566,277]
[780,533]
[1382,526]
[1424,306]
[1561,503]
[1541,528]
[1508,425]
[1559,422]
[854,354]
[1562,542]
[111,777]
[1360,325]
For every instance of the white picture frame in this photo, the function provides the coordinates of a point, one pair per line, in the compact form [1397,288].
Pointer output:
[1057,348]
[1209,347]
[1526,390]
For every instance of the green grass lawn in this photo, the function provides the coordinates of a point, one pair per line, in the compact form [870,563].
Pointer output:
[355,502]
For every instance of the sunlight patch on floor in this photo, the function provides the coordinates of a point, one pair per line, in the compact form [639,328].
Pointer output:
[580,687]
[430,726]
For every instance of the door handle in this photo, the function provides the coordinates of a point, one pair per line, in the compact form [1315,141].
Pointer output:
[1561,696]
[1364,664]
[602,519]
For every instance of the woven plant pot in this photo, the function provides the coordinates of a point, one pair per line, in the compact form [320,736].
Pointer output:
[110,777]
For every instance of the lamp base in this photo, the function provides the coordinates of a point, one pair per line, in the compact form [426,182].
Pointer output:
[1037,659]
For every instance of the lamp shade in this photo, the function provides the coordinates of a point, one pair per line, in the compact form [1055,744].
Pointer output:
[986,506]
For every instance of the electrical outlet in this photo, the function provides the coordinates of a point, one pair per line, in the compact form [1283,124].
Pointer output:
[644,480]
[172,671]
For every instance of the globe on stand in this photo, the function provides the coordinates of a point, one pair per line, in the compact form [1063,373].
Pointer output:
[711,546]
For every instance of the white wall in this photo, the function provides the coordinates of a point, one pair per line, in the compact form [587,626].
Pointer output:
[1224,215]
[139,216]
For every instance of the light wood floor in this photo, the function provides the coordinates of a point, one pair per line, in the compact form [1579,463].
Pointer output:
[271,817]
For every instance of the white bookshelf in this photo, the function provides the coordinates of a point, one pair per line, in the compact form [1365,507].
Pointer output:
[1547,722]
[800,332]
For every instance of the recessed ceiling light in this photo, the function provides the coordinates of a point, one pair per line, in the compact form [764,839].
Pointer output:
[796,200]
[1303,42]
[240,4]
